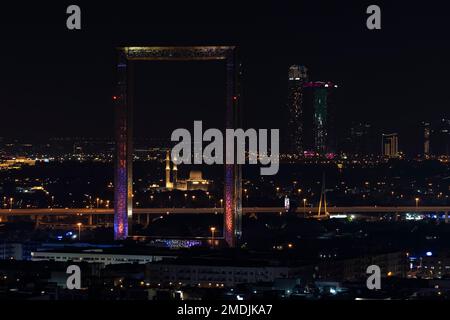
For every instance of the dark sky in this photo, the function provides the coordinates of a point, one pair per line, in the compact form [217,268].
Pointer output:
[56,82]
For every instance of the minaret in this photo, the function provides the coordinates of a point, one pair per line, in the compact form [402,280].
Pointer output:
[168,183]
[175,174]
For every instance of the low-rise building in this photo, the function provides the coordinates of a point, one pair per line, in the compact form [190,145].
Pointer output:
[215,272]
[103,256]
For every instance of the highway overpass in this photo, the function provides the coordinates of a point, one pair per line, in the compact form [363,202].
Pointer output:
[246,210]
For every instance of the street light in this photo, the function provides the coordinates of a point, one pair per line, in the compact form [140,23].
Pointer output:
[417,202]
[79,224]
[213,229]
[304,207]
[11,201]
[97,201]
[89,206]
[221,203]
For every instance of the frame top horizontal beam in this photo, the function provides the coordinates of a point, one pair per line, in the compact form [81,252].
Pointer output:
[178,53]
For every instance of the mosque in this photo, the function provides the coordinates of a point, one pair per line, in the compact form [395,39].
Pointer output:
[194,182]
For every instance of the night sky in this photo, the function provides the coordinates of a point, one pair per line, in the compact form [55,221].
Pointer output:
[56,82]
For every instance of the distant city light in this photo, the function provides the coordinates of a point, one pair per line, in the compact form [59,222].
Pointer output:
[338,216]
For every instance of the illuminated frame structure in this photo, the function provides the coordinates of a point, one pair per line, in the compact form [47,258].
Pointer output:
[123,104]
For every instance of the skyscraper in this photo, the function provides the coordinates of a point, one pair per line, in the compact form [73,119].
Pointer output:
[359,139]
[297,76]
[389,144]
[320,117]
[426,138]
[441,138]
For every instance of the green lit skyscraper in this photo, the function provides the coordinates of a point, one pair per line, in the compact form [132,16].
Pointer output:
[321,117]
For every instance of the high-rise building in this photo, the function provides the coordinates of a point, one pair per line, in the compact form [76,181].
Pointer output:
[440,143]
[426,138]
[320,134]
[297,76]
[389,144]
[359,139]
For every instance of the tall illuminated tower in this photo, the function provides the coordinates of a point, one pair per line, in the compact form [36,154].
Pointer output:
[175,174]
[168,183]
[123,166]
[320,117]
[426,138]
[297,76]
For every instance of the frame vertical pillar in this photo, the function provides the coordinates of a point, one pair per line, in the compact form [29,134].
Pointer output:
[123,180]
[232,224]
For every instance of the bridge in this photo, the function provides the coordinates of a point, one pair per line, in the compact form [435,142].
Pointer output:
[145,213]
[245,210]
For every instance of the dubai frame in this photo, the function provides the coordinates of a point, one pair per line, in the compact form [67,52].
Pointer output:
[123,105]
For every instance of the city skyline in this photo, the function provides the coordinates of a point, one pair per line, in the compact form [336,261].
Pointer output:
[374,83]
[236,154]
